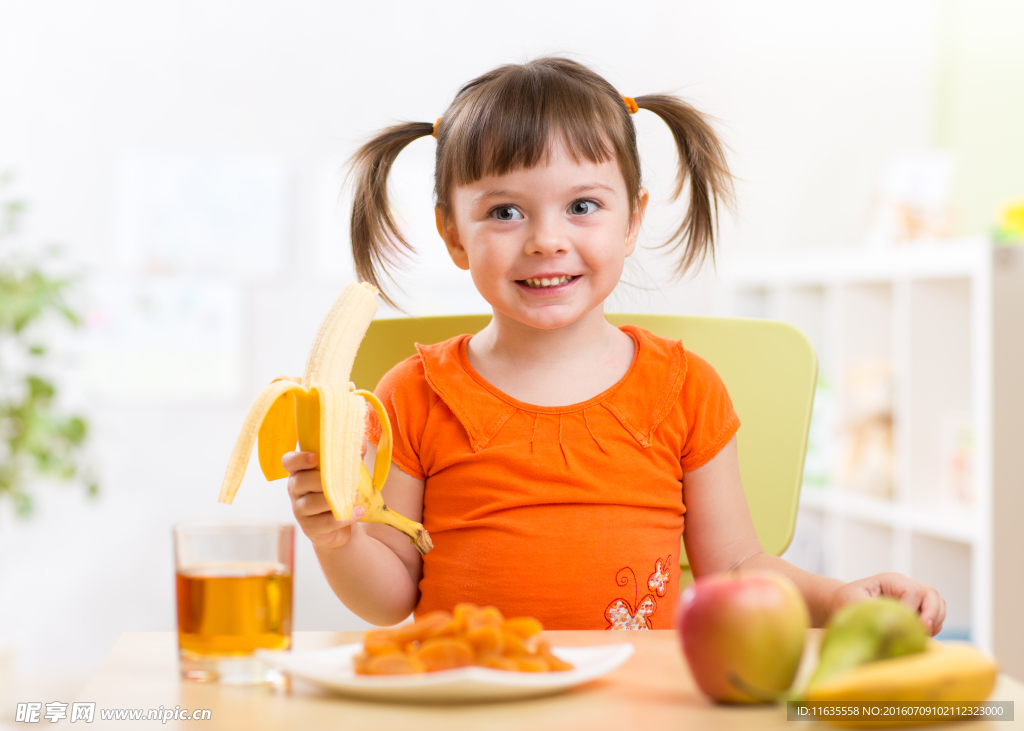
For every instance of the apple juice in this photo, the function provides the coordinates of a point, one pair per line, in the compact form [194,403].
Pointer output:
[233,609]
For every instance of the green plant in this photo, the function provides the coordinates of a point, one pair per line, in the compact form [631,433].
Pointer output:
[36,441]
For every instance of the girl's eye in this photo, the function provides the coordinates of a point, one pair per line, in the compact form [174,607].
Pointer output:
[582,208]
[506,213]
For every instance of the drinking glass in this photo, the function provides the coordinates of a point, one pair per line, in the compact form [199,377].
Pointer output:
[234,589]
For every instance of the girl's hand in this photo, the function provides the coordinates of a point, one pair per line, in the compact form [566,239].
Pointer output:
[919,597]
[309,504]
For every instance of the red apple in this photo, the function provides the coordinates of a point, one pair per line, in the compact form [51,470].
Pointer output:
[743,634]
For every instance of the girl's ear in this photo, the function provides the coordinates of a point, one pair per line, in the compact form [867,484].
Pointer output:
[450,234]
[638,218]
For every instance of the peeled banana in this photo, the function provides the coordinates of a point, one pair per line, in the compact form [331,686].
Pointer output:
[325,414]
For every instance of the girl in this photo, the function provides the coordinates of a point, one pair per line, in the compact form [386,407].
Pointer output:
[551,455]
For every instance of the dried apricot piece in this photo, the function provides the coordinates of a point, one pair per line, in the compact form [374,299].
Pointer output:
[445,653]
[380,642]
[421,628]
[497,662]
[464,610]
[554,663]
[522,626]
[454,627]
[514,645]
[468,635]
[486,640]
[532,664]
[394,664]
[483,617]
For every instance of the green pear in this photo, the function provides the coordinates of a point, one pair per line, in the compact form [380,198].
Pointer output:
[873,629]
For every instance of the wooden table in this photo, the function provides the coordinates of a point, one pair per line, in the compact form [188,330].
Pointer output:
[652,691]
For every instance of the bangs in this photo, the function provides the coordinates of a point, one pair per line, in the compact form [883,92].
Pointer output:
[511,118]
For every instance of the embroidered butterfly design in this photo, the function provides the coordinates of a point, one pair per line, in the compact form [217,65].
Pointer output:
[620,613]
[657,581]
[621,616]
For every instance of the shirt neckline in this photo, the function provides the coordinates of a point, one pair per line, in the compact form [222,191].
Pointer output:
[569,408]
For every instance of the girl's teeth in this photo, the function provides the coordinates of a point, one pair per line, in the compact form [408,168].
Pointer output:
[546,282]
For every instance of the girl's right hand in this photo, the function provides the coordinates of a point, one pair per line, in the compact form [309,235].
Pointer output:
[310,506]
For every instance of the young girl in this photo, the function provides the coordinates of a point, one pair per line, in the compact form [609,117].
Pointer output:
[552,455]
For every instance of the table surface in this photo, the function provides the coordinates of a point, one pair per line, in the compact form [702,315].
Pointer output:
[653,690]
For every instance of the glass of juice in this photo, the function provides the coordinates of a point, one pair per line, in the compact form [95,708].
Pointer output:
[234,590]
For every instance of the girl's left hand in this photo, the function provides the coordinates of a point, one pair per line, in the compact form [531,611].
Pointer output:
[914,594]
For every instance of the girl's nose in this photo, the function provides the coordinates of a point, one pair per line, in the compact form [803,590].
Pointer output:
[547,238]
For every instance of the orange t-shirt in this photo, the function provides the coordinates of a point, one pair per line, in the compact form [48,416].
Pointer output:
[570,514]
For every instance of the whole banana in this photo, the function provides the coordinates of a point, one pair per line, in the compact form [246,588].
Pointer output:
[325,414]
[877,651]
[941,672]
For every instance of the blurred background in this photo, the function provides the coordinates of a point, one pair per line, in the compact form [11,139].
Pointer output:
[186,158]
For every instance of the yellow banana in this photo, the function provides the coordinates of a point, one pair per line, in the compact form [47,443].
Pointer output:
[325,414]
[941,672]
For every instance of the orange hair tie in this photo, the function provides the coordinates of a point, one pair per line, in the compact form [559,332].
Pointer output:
[434,133]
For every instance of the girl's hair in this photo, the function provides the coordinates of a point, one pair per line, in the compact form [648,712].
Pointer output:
[506,120]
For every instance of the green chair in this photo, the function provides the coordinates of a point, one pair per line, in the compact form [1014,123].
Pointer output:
[769,368]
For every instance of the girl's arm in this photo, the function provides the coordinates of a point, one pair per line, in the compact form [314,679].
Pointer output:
[719,536]
[372,568]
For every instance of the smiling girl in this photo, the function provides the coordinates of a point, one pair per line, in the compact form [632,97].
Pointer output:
[552,456]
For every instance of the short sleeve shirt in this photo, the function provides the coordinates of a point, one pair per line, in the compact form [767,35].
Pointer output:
[570,514]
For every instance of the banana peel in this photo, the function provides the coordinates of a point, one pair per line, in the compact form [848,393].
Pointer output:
[324,413]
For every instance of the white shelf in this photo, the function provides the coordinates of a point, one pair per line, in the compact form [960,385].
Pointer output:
[935,260]
[950,524]
[934,316]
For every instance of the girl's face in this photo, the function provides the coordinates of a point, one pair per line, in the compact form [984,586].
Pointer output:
[546,245]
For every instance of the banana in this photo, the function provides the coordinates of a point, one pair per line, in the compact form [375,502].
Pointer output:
[941,672]
[877,651]
[873,629]
[325,414]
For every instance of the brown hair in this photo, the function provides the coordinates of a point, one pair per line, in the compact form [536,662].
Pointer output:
[505,120]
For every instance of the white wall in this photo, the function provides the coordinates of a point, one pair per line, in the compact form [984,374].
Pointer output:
[981,106]
[811,98]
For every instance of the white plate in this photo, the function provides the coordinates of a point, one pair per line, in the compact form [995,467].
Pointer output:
[332,668]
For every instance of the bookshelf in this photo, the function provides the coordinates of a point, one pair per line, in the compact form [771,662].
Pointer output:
[912,462]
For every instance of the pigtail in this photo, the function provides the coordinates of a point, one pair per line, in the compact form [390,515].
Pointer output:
[376,239]
[702,162]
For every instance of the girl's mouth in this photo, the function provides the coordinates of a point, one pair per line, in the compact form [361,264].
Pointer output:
[547,283]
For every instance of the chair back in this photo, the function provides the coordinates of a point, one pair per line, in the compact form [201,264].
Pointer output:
[769,368]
